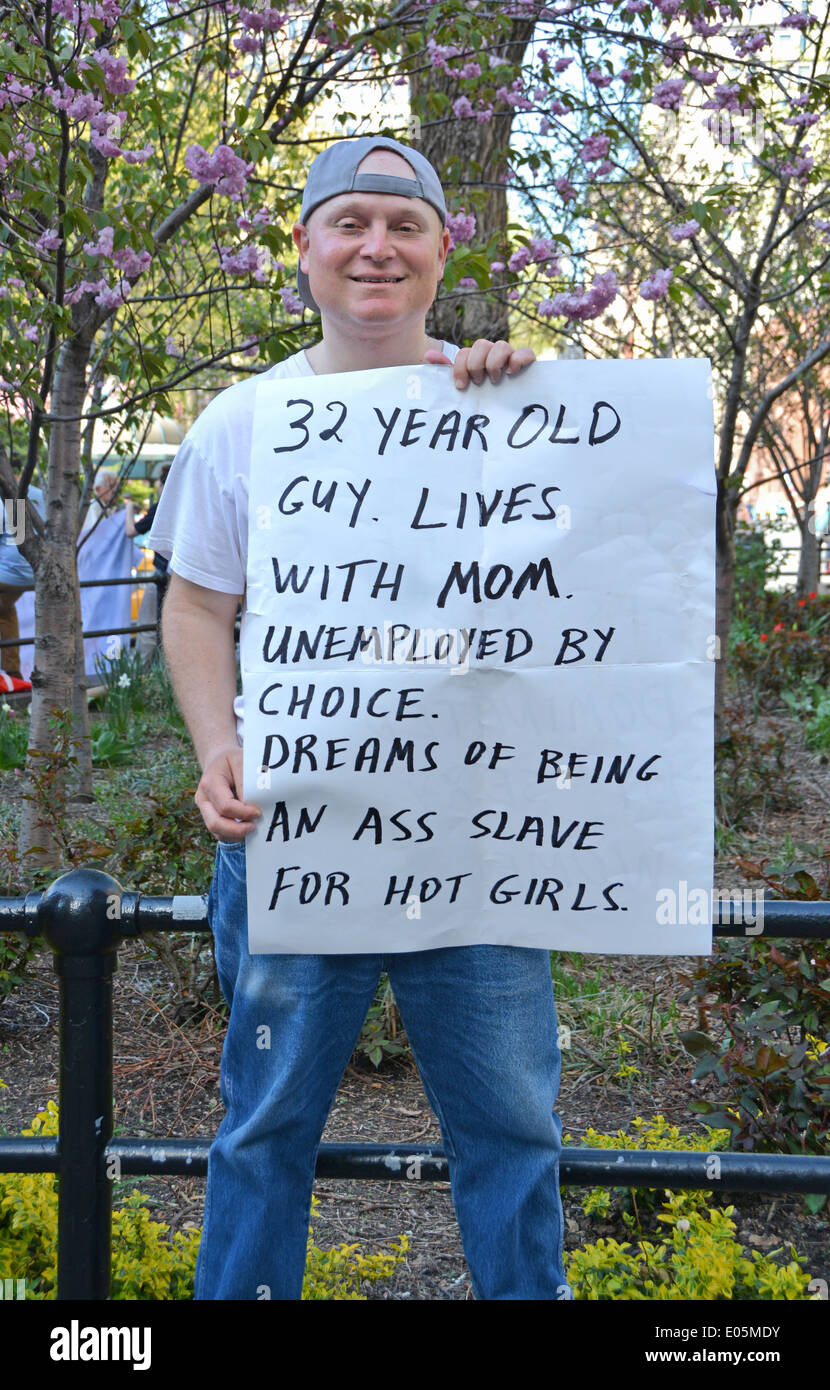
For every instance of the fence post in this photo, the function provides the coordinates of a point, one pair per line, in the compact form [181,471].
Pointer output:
[80,915]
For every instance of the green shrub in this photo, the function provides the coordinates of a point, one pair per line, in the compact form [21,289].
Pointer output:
[147,1263]
[14,737]
[699,1259]
[630,1203]
[773,1002]
[751,774]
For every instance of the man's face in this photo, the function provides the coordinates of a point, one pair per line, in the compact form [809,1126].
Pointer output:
[105,490]
[374,257]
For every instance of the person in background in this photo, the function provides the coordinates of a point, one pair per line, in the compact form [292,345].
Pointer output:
[16,574]
[154,592]
[106,486]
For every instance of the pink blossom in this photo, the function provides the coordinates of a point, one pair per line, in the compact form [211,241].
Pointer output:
[600,79]
[749,42]
[544,126]
[131,262]
[112,297]
[519,259]
[667,94]
[558,108]
[104,145]
[595,147]
[291,302]
[513,96]
[29,331]
[496,266]
[564,188]
[48,241]
[798,21]
[269,19]
[601,170]
[542,249]
[702,27]
[725,98]
[685,230]
[704,78]
[461,227]
[115,72]
[804,118]
[512,294]
[483,114]
[248,260]
[462,107]
[103,245]
[562,64]
[584,304]
[248,43]
[223,168]
[625,74]
[138,156]
[173,347]
[635,6]
[438,53]
[657,285]
[82,107]
[467,283]
[668,8]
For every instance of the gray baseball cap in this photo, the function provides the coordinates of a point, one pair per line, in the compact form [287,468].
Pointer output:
[334,171]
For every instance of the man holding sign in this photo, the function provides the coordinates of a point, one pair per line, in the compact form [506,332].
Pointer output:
[372,244]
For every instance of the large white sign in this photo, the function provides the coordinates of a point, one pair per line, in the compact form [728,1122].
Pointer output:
[478,660]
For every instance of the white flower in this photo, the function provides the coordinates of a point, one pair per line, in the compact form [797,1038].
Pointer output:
[6,708]
[123,682]
[683,1224]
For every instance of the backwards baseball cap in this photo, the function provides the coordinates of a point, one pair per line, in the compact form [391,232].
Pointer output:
[334,171]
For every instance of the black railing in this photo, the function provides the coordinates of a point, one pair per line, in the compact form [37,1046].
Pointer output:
[138,583]
[85,913]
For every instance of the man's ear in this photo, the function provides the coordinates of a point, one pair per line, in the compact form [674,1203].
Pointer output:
[300,235]
[445,249]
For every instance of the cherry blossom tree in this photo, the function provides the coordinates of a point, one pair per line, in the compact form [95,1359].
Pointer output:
[149,174]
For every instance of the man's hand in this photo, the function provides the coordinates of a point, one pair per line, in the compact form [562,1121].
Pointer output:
[483,359]
[218,793]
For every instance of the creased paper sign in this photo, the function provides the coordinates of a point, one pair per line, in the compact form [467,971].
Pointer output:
[478,660]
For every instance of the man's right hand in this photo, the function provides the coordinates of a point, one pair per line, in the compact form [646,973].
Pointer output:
[218,797]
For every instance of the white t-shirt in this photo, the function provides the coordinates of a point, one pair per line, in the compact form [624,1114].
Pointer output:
[201,521]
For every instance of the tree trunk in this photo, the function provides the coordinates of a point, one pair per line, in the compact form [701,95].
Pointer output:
[725,517]
[465,152]
[57,607]
[808,560]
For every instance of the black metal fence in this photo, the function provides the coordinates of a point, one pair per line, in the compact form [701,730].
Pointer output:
[85,913]
[138,583]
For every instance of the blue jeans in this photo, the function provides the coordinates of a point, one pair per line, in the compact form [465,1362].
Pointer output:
[482,1025]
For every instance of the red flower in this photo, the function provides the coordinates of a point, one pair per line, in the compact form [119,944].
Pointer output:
[801,602]
[763,637]
[813,595]
[779,627]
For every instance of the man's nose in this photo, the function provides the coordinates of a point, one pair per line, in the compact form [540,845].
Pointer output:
[376,241]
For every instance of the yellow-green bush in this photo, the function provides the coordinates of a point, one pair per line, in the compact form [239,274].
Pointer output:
[628,1202]
[700,1259]
[147,1264]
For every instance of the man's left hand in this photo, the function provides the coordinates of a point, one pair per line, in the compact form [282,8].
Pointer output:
[483,359]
